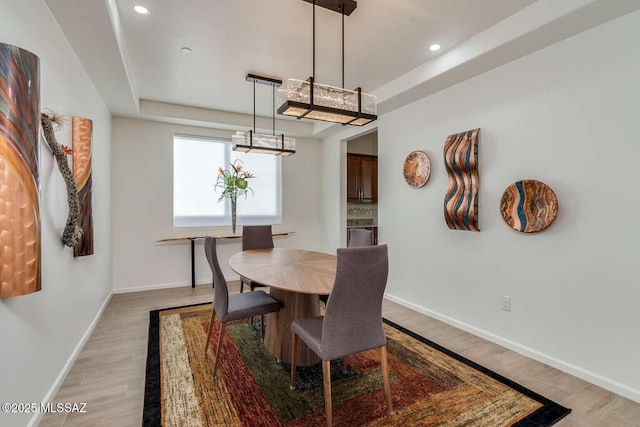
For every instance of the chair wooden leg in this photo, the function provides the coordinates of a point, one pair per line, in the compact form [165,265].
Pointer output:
[218,349]
[385,376]
[262,327]
[209,330]
[326,380]
[294,344]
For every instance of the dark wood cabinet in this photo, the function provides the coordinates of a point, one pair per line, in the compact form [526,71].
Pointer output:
[362,178]
[369,178]
[353,178]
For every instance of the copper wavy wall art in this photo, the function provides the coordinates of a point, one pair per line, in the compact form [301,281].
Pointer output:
[461,199]
[20,241]
[529,206]
[82,138]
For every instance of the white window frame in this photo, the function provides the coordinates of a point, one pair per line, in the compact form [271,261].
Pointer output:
[224,220]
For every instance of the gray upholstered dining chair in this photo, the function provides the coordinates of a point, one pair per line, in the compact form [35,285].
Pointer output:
[360,237]
[228,308]
[357,237]
[255,237]
[352,322]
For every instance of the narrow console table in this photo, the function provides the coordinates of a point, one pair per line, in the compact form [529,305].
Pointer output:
[193,239]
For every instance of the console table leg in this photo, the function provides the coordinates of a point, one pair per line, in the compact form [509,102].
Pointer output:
[193,263]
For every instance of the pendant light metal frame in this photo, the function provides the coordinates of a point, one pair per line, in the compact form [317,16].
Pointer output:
[242,136]
[321,112]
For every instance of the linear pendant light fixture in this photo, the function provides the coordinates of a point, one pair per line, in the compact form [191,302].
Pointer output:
[308,99]
[253,142]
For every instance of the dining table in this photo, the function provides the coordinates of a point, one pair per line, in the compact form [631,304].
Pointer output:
[296,277]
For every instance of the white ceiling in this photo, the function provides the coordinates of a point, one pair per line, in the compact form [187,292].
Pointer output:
[138,67]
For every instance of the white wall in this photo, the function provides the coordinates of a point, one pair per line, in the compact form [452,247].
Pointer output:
[566,115]
[365,144]
[143,207]
[41,332]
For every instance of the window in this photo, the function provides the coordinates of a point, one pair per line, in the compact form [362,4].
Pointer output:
[195,200]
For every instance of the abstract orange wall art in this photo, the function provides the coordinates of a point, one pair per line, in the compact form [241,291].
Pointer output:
[20,241]
[82,138]
[416,169]
[529,206]
[461,199]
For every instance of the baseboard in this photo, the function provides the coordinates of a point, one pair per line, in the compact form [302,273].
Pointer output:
[35,420]
[168,286]
[154,287]
[569,368]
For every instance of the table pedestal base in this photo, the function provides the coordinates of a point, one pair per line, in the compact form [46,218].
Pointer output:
[294,306]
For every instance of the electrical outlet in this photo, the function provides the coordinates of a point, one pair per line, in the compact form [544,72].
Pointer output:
[505,303]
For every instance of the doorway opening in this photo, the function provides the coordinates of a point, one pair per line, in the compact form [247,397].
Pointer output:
[362,183]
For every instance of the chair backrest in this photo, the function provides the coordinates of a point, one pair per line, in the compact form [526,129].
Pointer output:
[353,315]
[220,290]
[360,237]
[256,237]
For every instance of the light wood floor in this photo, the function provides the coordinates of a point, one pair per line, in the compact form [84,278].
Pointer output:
[109,372]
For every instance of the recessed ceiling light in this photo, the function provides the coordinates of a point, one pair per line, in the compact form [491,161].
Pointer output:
[186,50]
[434,47]
[142,10]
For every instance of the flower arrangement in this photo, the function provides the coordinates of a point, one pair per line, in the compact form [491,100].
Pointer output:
[234,183]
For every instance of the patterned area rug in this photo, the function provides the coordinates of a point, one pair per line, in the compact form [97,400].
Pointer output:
[430,385]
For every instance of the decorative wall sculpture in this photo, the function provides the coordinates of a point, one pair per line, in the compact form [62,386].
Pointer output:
[82,138]
[20,241]
[529,206]
[416,169]
[72,231]
[461,199]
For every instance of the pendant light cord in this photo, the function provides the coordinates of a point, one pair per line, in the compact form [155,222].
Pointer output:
[313,74]
[273,106]
[342,9]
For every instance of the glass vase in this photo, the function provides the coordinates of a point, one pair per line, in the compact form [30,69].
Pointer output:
[233,215]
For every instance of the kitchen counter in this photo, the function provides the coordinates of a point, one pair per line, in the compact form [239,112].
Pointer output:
[353,223]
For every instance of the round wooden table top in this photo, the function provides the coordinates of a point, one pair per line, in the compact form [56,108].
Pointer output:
[293,270]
